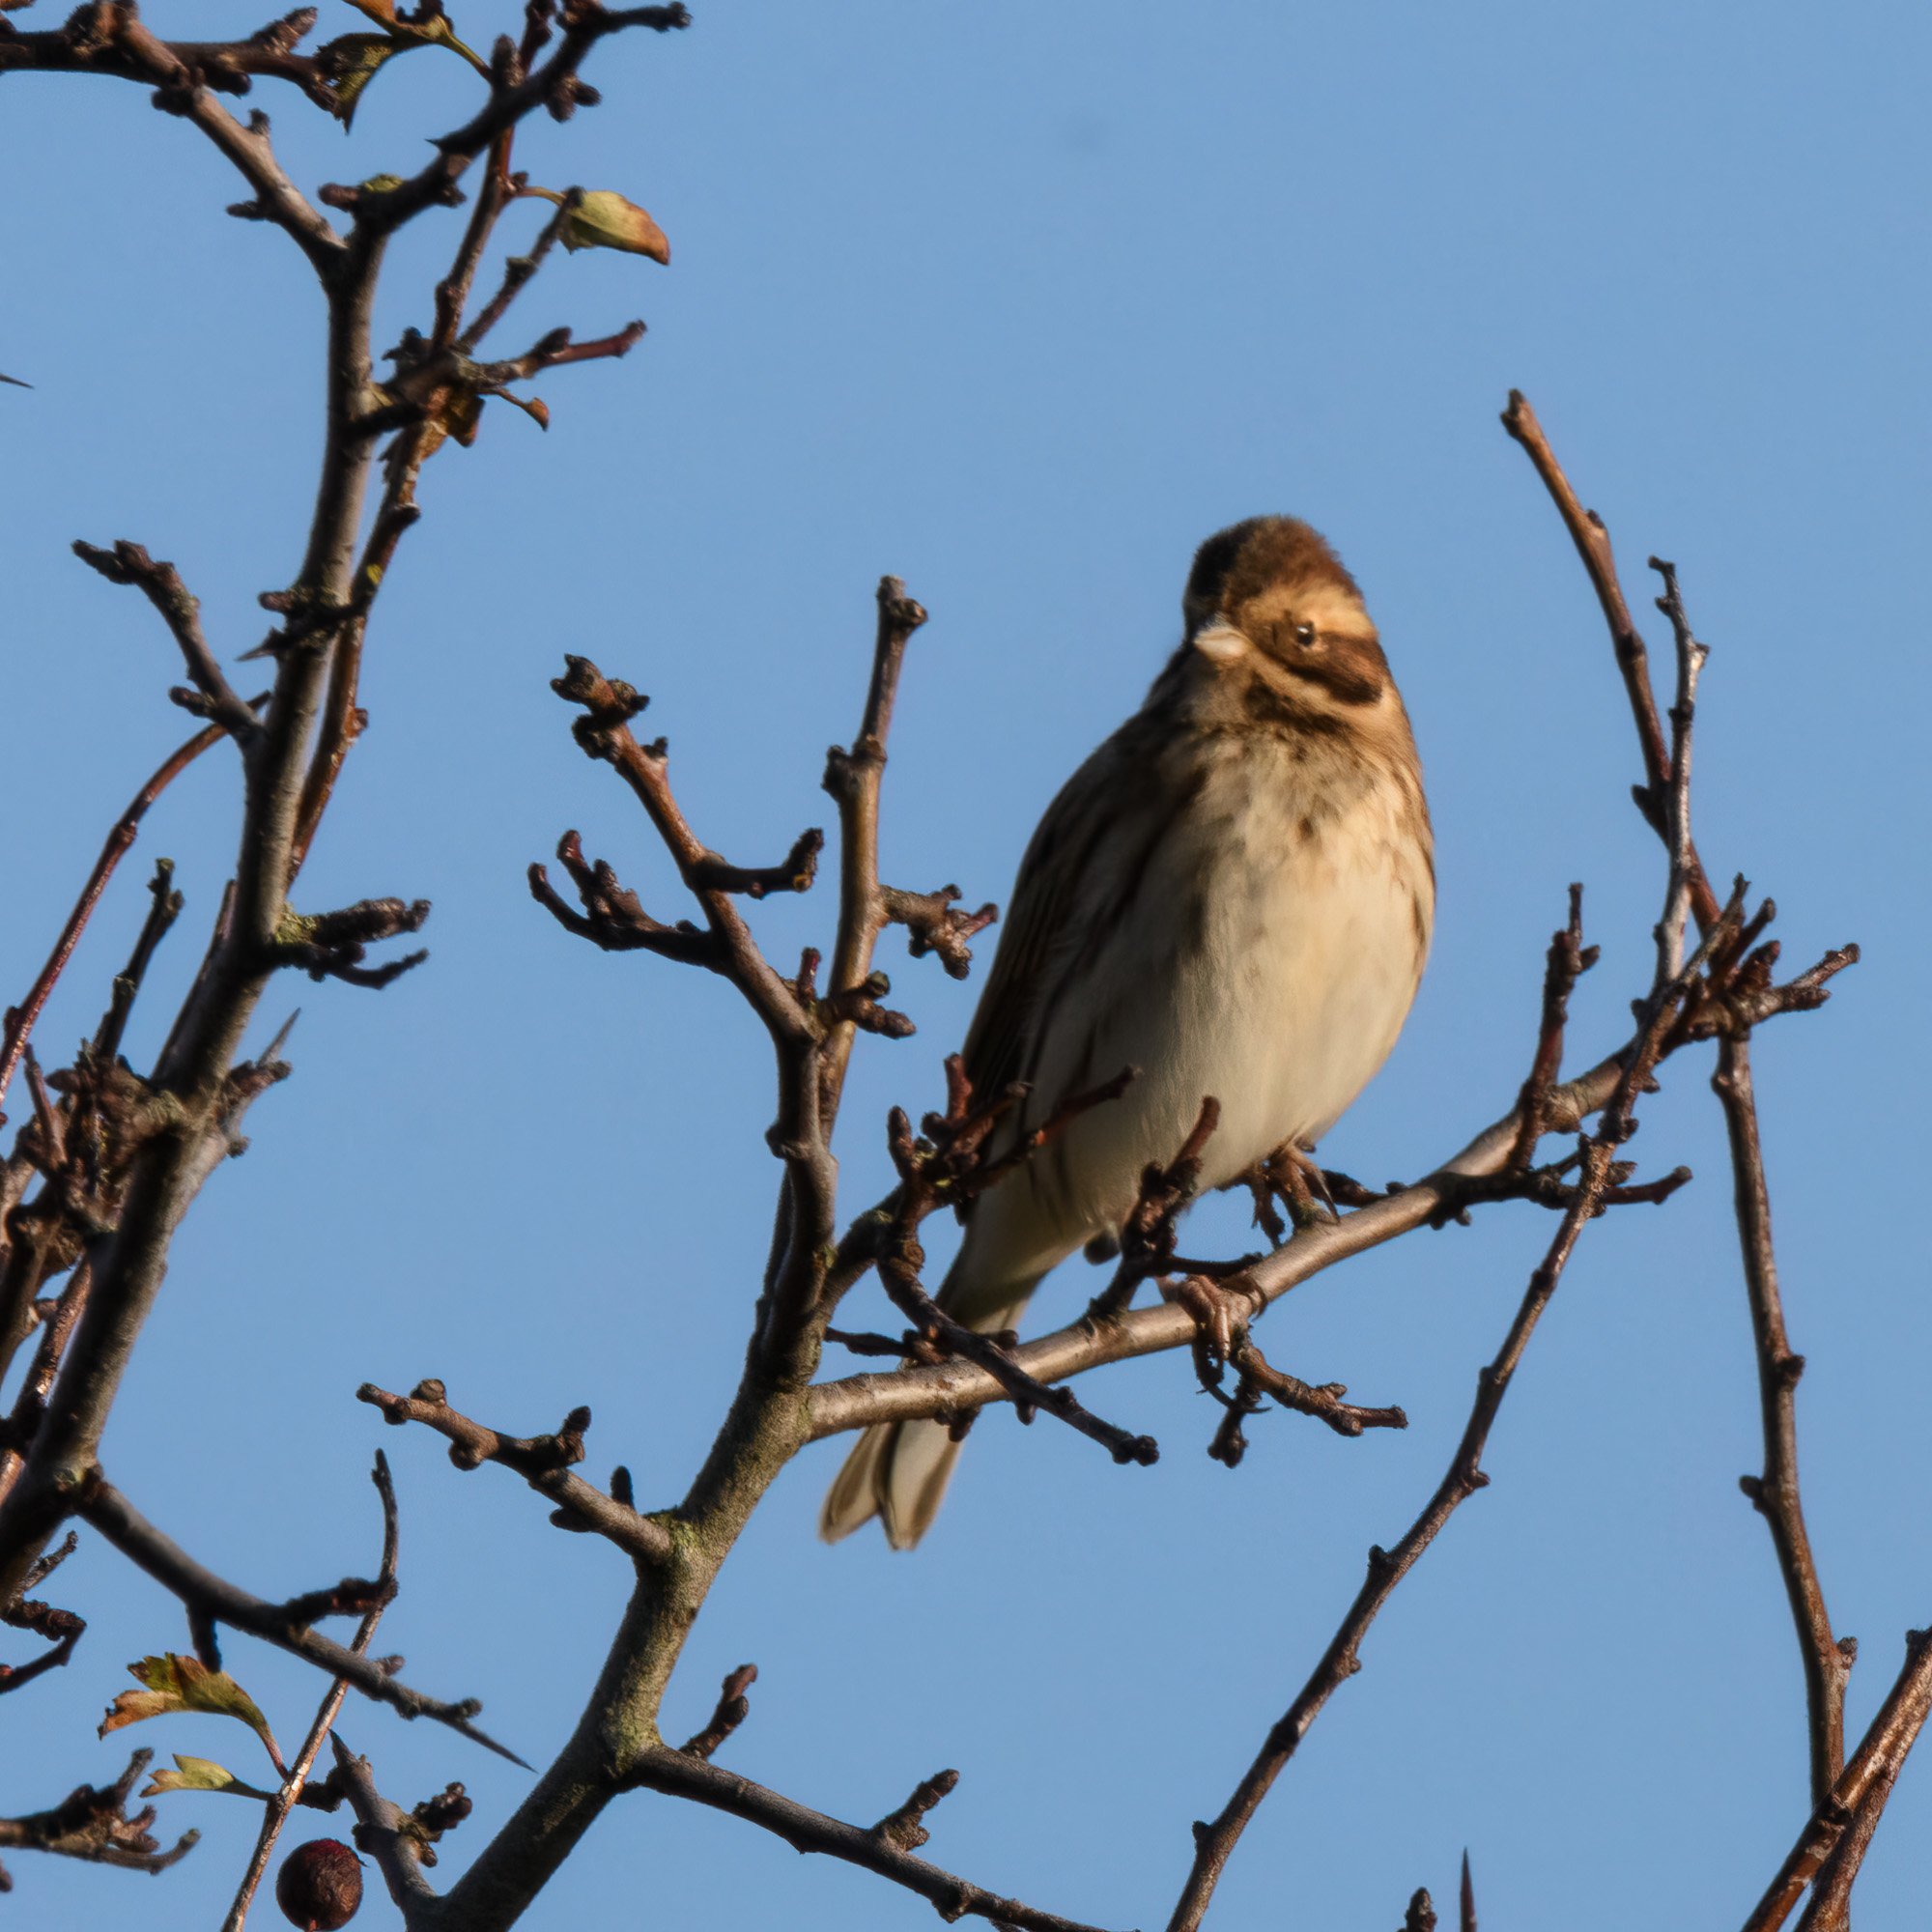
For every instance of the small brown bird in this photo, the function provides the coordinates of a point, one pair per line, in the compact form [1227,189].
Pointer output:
[1235,895]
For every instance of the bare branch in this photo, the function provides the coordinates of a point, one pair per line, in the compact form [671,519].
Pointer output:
[1593,545]
[933,926]
[806,1830]
[91,1824]
[733,1707]
[276,1812]
[613,916]
[586,22]
[19,1023]
[181,610]
[382,1830]
[542,1461]
[214,1598]
[1213,1843]
[794,874]
[163,909]
[332,945]
[1827,1663]
[947,1388]
[1864,1784]
[853,777]
[1568,960]
[517,273]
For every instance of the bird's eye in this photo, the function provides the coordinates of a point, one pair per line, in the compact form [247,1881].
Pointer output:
[1304,636]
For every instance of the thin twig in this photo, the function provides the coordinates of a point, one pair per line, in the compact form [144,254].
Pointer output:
[160,583]
[543,1461]
[1774,1493]
[1685,870]
[1867,1778]
[1215,1843]
[1569,959]
[517,273]
[90,1825]
[217,1600]
[807,1830]
[854,778]
[1593,545]
[21,1019]
[284,1802]
[382,1835]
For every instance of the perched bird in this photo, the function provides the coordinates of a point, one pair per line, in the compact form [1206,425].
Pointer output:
[1233,894]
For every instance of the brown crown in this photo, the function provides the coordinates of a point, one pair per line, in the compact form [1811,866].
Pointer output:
[1239,562]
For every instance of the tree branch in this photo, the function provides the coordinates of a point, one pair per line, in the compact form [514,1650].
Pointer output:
[276,1814]
[805,1831]
[1827,1663]
[1216,1842]
[162,585]
[91,1824]
[380,1831]
[1860,1789]
[19,1022]
[542,1461]
[212,1598]
[1593,546]
[853,777]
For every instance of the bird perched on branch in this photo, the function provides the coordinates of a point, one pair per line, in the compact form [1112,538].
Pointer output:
[1235,895]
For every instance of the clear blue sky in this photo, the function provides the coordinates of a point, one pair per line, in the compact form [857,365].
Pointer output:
[1021,302]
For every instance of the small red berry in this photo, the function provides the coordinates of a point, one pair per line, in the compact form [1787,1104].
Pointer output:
[319,1886]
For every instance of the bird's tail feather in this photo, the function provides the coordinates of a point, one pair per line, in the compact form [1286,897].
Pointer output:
[899,1470]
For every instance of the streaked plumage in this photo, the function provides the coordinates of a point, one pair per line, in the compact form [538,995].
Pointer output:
[1234,893]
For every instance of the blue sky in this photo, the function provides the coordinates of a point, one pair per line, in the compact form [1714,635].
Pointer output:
[1021,302]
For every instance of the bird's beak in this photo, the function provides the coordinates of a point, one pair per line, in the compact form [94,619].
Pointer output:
[1219,642]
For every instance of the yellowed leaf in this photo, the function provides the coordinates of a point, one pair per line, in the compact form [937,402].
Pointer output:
[602,220]
[417,33]
[351,63]
[200,1774]
[172,1683]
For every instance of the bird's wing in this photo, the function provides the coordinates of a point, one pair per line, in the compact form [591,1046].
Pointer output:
[1052,902]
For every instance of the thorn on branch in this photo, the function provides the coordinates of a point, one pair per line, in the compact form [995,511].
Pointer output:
[733,1707]
[903,1829]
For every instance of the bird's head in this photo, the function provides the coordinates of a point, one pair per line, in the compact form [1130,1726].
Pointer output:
[1268,599]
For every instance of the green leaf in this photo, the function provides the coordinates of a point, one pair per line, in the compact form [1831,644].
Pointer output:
[186,1684]
[201,1773]
[349,65]
[602,220]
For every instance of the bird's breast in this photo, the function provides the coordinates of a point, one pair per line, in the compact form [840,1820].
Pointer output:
[1266,954]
